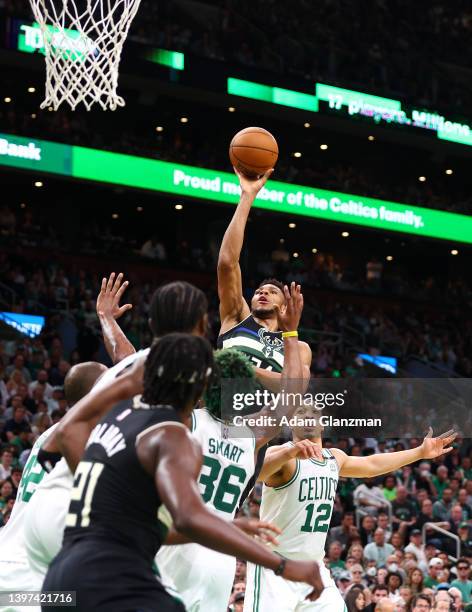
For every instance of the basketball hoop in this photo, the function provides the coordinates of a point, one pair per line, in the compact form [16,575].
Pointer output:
[82,41]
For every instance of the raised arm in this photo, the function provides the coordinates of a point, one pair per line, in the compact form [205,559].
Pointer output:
[109,310]
[376,465]
[233,306]
[176,481]
[292,383]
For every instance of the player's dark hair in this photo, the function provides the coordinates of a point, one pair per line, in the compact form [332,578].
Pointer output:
[272,281]
[379,587]
[80,379]
[177,370]
[176,307]
[233,366]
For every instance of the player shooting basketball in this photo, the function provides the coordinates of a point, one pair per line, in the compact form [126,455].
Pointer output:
[251,329]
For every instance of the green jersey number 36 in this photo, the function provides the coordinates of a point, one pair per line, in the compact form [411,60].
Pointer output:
[222,487]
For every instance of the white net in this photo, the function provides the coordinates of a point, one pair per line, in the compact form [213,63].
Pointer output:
[83,40]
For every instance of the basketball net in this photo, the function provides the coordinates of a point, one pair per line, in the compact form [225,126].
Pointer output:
[82,41]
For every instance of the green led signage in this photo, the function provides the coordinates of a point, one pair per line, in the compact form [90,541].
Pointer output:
[31,40]
[276,95]
[355,103]
[172,59]
[390,111]
[166,177]
[68,42]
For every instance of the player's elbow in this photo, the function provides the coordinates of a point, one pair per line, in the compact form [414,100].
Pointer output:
[187,521]
[226,263]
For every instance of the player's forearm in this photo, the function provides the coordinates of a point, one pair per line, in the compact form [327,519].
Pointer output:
[376,465]
[74,429]
[174,538]
[209,530]
[233,239]
[274,462]
[71,442]
[116,343]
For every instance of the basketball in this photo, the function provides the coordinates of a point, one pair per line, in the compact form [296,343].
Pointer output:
[253,151]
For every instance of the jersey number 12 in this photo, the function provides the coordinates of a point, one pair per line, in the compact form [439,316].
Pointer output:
[321,523]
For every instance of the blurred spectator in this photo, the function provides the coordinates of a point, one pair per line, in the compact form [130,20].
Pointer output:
[378,550]
[6,463]
[462,581]
[153,249]
[42,383]
[369,497]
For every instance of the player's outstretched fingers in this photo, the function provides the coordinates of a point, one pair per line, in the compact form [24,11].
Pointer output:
[117,283]
[121,290]
[111,280]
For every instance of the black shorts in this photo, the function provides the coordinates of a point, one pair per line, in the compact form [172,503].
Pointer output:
[107,577]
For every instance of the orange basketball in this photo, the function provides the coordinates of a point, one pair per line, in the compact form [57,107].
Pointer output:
[253,151]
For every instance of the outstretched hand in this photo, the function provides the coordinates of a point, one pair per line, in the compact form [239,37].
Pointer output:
[306,449]
[434,447]
[108,301]
[288,316]
[261,530]
[252,186]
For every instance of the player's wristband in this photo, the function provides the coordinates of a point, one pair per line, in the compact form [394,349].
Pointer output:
[281,567]
[48,460]
[290,334]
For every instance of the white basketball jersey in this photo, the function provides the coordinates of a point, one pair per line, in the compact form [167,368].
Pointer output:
[302,508]
[228,462]
[12,546]
[113,372]
[203,577]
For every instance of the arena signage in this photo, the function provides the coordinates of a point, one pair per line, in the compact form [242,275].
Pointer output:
[31,40]
[355,103]
[29,325]
[201,183]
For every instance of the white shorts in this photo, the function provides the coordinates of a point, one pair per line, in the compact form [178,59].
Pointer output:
[266,592]
[18,577]
[203,578]
[44,527]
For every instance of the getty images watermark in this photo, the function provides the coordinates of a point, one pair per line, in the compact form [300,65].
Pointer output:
[349,407]
[278,409]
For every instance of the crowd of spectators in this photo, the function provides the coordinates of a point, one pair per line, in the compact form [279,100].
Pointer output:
[374,550]
[443,337]
[377,560]
[341,44]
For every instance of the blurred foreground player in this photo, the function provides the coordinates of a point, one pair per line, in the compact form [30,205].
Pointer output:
[298,496]
[176,306]
[15,570]
[137,459]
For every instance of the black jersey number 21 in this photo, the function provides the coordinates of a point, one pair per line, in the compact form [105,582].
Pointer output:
[85,481]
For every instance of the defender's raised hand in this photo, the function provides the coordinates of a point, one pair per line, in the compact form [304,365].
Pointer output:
[108,301]
[288,317]
[434,447]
